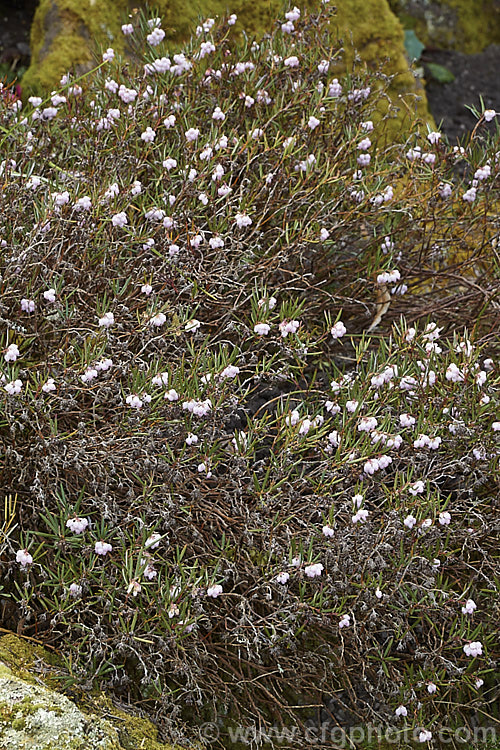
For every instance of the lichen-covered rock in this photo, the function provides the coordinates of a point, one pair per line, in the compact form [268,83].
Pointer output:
[463,25]
[65,32]
[35,716]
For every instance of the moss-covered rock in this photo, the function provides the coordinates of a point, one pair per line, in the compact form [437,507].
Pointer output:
[36,716]
[464,25]
[64,33]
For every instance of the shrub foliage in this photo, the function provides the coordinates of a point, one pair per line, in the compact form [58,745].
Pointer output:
[249,387]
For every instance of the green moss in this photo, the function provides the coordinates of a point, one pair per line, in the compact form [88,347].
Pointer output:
[19,656]
[378,37]
[64,31]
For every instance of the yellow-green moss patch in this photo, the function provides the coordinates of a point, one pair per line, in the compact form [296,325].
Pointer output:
[31,711]
[65,32]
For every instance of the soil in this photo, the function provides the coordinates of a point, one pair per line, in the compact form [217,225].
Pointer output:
[475,76]
[15,24]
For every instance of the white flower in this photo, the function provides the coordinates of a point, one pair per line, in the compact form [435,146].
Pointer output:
[401,711]
[454,374]
[291,62]
[27,305]
[231,371]
[338,330]
[232,19]
[335,89]
[107,320]
[327,531]
[489,114]
[102,548]
[431,688]
[155,37]
[444,518]
[172,395]
[14,387]
[473,649]
[313,122]
[108,55]
[367,424]
[149,572]
[49,386]
[364,144]
[214,591]
[495,426]
[262,329]
[11,353]
[270,301]
[357,500]
[75,590]
[313,571]
[406,420]
[146,289]
[410,521]
[192,326]
[134,401]
[23,557]
[378,593]
[288,326]
[191,439]
[77,525]
[469,607]
[416,488]
[158,320]
[153,541]
[361,515]
[282,577]
[345,621]
[50,295]
[371,466]
[148,135]
[134,588]
[192,134]
[242,220]
[127,29]
[119,219]
[425,736]
[433,137]
[470,195]
[218,114]
[334,439]
[83,204]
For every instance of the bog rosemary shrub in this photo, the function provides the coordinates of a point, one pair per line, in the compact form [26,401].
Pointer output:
[250,387]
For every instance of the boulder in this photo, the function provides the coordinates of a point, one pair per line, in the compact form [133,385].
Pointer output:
[36,716]
[65,34]
[464,25]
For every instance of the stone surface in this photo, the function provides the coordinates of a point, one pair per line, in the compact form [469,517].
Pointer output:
[467,26]
[65,33]
[35,716]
